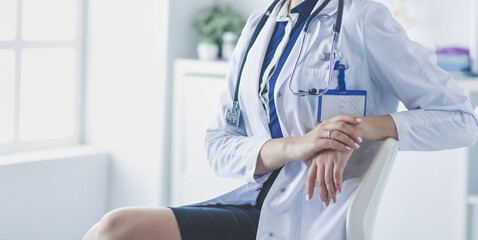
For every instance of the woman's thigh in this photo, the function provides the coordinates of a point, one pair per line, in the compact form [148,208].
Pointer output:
[139,223]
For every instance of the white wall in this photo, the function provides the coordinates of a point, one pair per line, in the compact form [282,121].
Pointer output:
[128,99]
[125,95]
[249,6]
[181,43]
[425,197]
[435,23]
[182,40]
[55,195]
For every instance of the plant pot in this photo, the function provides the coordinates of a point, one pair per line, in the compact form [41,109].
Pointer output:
[229,40]
[207,51]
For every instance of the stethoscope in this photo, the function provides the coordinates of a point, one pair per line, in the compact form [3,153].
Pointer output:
[233,113]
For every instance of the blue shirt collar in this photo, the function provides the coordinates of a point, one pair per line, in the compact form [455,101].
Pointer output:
[305,8]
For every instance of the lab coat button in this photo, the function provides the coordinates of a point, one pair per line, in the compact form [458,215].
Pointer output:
[271,234]
[282,189]
[279,95]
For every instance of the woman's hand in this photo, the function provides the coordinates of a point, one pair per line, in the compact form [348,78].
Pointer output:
[328,166]
[277,152]
[343,137]
[326,172]
[377,128]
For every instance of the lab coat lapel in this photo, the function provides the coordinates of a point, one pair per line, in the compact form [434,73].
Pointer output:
[252,71]
[286,73]
[290,63]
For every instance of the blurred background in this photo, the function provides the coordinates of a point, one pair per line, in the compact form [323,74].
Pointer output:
[104,104]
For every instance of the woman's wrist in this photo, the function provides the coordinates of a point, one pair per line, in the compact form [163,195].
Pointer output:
[377,128]
[290,149]
[274,154]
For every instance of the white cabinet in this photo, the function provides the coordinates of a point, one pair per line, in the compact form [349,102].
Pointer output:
[197,86]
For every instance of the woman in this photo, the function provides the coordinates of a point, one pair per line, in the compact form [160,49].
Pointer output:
[281,148]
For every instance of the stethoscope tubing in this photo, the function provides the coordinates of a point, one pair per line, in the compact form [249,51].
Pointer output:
[258,29]
[232,113]
[337,28]
[261,24]
[302,93]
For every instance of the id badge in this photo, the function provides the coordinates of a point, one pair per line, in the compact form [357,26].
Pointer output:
[335,102]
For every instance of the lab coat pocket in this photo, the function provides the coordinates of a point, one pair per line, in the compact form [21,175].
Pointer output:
[311,78]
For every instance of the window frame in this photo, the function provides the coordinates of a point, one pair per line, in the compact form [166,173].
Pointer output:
[78,45]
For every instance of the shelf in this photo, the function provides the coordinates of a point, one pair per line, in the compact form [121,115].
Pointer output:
[470,85]
[198,67]
[473,199]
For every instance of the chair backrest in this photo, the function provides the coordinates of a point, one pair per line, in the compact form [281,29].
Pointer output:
[363,209]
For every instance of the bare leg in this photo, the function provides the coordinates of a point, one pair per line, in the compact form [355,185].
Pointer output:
[91,235]
[136,223]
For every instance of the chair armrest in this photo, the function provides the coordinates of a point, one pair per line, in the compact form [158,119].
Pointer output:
[363,209]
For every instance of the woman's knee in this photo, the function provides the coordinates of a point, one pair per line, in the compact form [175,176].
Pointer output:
[113,225]
[132,223]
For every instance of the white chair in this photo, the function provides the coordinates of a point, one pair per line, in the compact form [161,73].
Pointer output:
[363,209]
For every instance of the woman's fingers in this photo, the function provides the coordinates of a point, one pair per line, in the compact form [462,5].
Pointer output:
[345,118]
[344,128]
[310,181]
[329,182]
[326,172]
[320,181]
[331,144]
[341,137]
[337,172]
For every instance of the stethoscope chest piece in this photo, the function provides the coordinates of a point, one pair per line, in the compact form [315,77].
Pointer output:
[233,114]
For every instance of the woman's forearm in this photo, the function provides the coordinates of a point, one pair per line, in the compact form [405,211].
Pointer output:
[336,133]
[273,155]
[377,128]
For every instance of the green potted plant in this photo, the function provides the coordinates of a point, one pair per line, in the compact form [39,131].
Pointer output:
[211,23]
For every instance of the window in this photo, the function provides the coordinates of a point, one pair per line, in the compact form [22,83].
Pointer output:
[41,73]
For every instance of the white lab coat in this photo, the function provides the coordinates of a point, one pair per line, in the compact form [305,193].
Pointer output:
[381,60]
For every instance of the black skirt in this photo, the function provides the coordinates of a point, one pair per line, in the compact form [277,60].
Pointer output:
[222,222]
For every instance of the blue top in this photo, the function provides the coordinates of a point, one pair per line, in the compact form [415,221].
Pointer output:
[304,9]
